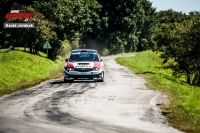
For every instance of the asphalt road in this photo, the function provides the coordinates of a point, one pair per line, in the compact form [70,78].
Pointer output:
[121,104]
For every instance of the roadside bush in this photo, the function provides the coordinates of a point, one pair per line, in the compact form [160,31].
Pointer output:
[65,49]
[105,52]
[180,42]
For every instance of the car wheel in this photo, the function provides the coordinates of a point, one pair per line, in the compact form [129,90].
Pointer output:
[102,75]
[65,81]
[70,81]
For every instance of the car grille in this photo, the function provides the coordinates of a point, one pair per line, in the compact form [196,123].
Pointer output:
[83,63]
[83,69]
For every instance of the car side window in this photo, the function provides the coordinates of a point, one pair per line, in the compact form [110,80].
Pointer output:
[96,58]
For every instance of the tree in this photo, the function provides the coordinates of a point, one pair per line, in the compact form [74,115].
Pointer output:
[178,41]
[117,26]
[72,18]
[126,24]
[147,26]
[170,16]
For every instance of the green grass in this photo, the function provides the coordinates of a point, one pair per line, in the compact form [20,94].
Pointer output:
[19,70]
[184,107]
[126,54]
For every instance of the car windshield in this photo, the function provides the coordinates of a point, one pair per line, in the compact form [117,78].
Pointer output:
[84,56]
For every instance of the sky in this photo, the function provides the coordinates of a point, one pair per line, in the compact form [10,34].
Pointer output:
[177,5]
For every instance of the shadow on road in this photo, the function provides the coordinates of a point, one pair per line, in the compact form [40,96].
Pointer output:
[76,81]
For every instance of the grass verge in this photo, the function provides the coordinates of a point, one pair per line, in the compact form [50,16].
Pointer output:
[20,70]
[184,110]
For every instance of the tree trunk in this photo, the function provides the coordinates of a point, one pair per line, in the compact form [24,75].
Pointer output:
[31,49]
[188,78]
[36,50]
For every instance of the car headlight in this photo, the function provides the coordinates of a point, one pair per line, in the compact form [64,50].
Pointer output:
[95,69]
[68,69]
[69,66]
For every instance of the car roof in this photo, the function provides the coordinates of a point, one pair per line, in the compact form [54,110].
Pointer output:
[79,50]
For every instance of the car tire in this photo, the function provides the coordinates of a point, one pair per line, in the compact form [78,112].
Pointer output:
[68,81]
[102,80]
[65,81]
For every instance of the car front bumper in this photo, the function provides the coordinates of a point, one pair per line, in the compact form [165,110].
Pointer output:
[77,75]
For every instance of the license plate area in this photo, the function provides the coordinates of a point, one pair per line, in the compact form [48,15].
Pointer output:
[82,73]
[83,65]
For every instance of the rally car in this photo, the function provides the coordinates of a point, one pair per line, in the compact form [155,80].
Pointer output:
[84,64]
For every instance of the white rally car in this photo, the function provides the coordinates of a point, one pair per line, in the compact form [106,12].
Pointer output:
[84,64]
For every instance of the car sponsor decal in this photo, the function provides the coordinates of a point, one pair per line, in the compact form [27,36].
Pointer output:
[83,65]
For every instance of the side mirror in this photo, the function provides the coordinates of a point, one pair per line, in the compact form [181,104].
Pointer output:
[66,60]
[101,59]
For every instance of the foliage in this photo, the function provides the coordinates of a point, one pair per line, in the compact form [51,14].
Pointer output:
[65,49]
[105,52]
[72,18]
[128,25]
[170,16]
[179,41]
[119,26]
